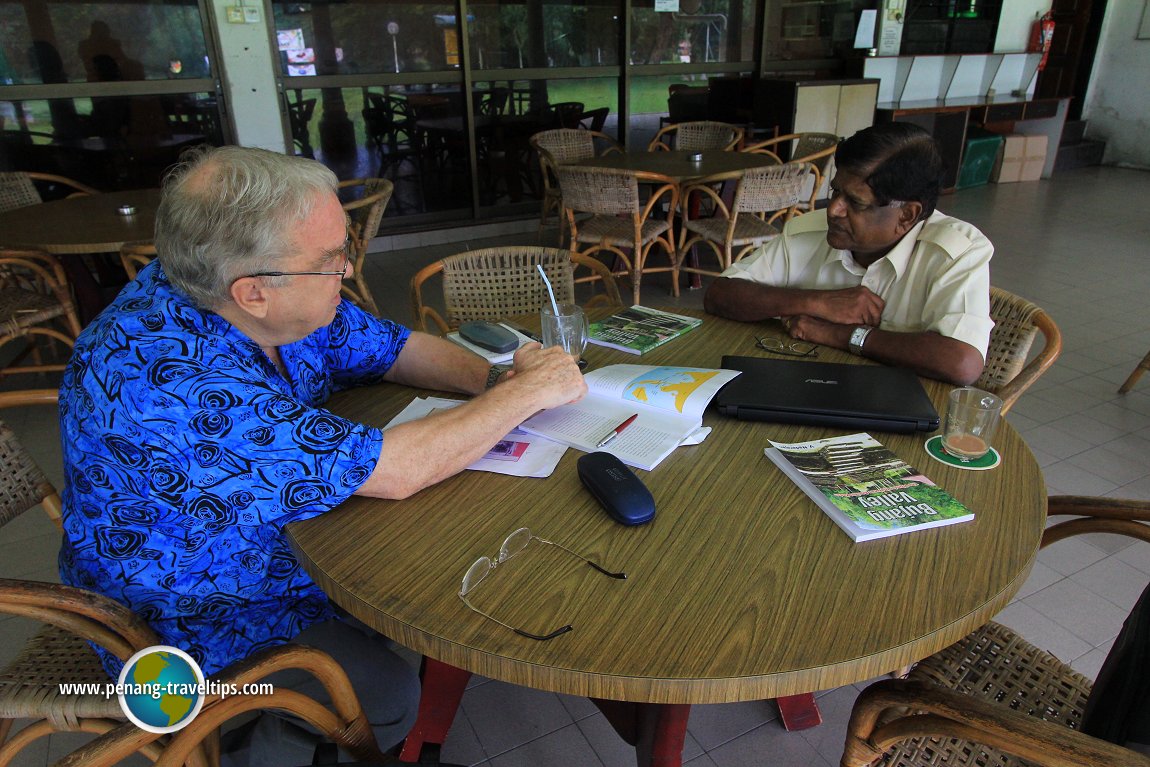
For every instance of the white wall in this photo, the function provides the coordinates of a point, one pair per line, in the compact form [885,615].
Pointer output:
[1118,99]
[1015,22]
[249,83]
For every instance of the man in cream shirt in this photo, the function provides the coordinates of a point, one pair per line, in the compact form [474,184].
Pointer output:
[879,272]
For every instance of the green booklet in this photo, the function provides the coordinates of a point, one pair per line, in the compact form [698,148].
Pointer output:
[864,488]
[640,329]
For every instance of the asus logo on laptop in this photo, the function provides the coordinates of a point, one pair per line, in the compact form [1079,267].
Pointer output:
[819,381]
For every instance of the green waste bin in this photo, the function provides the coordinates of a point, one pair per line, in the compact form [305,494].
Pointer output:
[982,149]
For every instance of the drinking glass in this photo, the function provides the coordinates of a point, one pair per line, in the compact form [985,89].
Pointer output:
[568,328]
[971,419]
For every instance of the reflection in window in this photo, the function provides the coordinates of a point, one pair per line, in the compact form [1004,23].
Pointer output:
[528,33]
[108,142]
[701,31]
[363,37]
[69,42]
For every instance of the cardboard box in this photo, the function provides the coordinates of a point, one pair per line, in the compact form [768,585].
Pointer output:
[1022,159]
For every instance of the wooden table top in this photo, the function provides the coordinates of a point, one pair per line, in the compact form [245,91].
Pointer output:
[740,589]
[90,224]
[677,164]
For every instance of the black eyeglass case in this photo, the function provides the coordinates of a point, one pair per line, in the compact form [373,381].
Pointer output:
[622,494]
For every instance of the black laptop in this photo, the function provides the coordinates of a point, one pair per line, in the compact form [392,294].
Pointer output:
[865,397]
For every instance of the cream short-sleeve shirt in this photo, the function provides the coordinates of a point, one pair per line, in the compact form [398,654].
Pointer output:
[936,278]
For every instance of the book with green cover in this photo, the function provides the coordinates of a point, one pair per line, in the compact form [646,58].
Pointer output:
[866,489]
[640,329]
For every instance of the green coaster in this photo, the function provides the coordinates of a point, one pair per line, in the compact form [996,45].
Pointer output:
[988,461]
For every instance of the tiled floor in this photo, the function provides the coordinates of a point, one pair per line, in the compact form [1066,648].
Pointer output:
[1076,245]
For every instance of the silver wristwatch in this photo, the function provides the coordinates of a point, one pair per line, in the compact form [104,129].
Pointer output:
[858,338]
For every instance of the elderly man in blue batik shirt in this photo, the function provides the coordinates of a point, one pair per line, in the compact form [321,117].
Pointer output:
[193,429]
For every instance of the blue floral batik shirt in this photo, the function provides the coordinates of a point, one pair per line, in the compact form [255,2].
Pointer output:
[186,452]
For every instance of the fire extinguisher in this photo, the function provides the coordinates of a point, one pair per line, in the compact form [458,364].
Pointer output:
[1041,35]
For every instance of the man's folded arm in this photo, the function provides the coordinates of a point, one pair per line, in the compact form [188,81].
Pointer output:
[750,301]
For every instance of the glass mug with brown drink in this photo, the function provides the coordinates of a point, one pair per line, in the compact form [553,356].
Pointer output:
[971,419]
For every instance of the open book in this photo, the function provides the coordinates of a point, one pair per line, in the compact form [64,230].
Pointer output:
[640,329]
[864,488]
[669,402]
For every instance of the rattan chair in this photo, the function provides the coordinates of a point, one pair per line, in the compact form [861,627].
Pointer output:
[1135,374]
[35,304]
[18,188]
[696,136]
[620,221]
[559,146]
[1016,323]
[496,283]
[764,200]
[363,218]
[344,723]
[134,256]
[993,698]
[818,149]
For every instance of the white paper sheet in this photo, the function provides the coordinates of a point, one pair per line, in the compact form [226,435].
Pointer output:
[518,454]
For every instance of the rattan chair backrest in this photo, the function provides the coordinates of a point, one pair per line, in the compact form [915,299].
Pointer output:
[134,256]
[604,191]
[565,144]
[1009,371]
[771,188]
[698,136]
[17,191]
[22,484]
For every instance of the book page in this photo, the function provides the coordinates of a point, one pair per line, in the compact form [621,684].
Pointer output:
[681,390]
[643,444]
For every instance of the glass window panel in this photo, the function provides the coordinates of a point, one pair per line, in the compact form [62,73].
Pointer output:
[702,31]
[518,34]
[60,42]
[365,36]
[508,169]
[109,142]
[413,135]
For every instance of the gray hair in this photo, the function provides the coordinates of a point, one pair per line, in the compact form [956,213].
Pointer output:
[227,212]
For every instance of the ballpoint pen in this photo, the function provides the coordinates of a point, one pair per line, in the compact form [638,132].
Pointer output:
[616,431]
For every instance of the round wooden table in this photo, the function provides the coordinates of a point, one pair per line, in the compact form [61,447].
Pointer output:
[90,224]
[740,589]
[79,225]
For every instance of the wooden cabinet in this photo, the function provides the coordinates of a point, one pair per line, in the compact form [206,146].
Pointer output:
[841,107]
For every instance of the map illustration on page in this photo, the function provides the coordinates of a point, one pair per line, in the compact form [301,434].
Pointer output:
[668,400]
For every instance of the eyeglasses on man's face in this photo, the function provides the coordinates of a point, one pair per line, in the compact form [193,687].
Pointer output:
[512,545]
[344,250]
[860,207]
[789,349]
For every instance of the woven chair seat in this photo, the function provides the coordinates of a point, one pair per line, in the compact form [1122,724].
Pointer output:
[749,230]
[611,230]
[24,308]
[1032,682]
[52,657]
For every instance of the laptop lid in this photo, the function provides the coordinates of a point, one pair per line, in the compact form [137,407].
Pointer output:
[869,397]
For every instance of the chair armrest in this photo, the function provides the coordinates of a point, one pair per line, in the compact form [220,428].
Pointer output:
[880,720]
[1097,515]
[86,614]
[347,725]
[418,310]
[1012,390]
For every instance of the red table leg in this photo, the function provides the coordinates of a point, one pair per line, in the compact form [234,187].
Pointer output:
[799,712]
[656,730]
[443,687]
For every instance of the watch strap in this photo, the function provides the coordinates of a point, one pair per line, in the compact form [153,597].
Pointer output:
[493,374]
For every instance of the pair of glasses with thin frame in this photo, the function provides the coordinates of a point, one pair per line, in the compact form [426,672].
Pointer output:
[787,348]
[345,249]
[514,544]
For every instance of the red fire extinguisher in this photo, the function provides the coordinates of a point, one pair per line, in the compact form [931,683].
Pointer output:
[1041,35]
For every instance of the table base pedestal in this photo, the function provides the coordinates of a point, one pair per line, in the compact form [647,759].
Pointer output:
[656,730]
